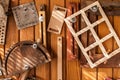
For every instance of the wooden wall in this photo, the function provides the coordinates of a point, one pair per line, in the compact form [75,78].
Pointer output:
[71,69]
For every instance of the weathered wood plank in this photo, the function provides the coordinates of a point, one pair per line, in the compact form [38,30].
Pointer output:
[103,72]
[42,71]
[27,33]
[116,71]
[12,35]
[87,73]
[12,31]
[73,70]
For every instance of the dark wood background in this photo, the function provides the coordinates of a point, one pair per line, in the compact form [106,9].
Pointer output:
[71,69]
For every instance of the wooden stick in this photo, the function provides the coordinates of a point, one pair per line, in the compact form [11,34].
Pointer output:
[59,59]
[3,20]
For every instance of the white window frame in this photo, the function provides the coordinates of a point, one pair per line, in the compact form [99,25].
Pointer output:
[90,26]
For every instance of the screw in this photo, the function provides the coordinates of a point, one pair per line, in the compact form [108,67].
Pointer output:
[94,9]
[34,46]
[26,67]
[41,18]
[73,20]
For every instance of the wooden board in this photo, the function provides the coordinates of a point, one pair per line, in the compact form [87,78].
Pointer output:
[71,70]
[27,33]
[116,71]
[73,6]
[10,37]
[43,71]
[53,42]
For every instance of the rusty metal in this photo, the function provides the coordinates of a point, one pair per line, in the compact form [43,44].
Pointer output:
[3,20]
[25,15]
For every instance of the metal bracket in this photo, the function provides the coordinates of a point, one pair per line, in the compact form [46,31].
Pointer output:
[57,19]
[90,26]
[25,15]
[110,7]
[3,20]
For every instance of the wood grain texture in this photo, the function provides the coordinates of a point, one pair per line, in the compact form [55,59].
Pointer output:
[54,41]
[42,71]
[27,33]
[12,31]
[103,72]
[73,70]
[116,19]
[87,73]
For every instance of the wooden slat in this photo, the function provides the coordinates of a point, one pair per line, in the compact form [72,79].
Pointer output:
[54,41]
[73,70]
[116,19]
[42,71]
[12,32]
[27,33]
[86,72]
[103,72]
[116,71]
